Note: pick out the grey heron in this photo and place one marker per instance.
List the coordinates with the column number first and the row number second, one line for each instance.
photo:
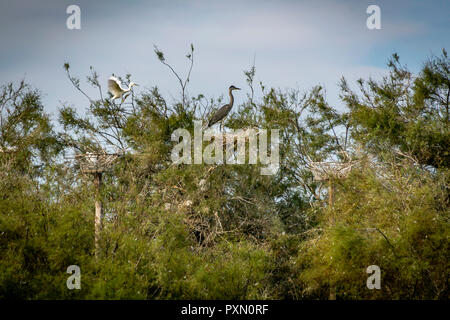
column 116, row 89
column 220, row 114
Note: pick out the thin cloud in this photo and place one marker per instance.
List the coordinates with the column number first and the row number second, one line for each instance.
column 296, row 43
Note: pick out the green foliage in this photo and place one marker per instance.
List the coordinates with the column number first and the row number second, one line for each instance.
column 405, row 113
column 226, row 231
column 381, row 220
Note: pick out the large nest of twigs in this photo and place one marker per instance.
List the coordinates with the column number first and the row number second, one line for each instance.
column 95, row 162
column 329, row 170
column 234, row 136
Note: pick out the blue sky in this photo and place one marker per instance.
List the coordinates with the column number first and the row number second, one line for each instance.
column 295, row 43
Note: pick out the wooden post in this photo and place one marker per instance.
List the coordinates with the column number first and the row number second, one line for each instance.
column 327, row 171
column 330, row 193
column 98, row 211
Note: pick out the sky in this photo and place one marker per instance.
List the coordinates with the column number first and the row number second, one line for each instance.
column 294, row 44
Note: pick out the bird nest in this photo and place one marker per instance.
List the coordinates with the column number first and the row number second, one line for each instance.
column 239, row 135
column 92, row 162
column 327, row 170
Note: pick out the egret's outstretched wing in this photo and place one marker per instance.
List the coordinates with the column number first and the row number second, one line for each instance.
column 114, row 87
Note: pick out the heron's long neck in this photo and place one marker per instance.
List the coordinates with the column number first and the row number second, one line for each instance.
column 231, row 98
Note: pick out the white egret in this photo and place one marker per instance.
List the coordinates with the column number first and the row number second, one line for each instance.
column 116, row 89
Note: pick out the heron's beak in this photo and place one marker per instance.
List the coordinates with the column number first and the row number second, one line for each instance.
column 238, row 88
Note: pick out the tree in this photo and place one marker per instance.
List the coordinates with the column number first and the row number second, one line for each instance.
column 403, row 113
column 211, row 231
